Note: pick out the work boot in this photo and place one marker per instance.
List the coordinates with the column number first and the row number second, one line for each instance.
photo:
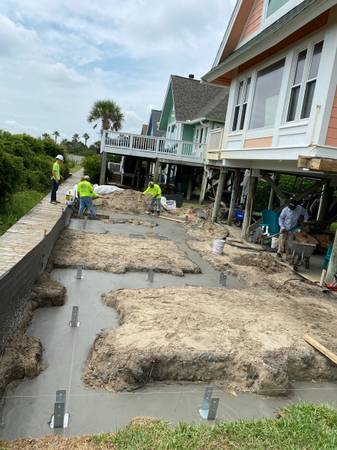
column 158, row 213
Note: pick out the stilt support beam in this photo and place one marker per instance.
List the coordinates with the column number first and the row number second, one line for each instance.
column 218, row 196
column 234, row 196
column 104, row 159
column 203, row 186
column 249, row 207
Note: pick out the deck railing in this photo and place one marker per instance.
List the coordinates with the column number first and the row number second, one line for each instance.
column 157, row 146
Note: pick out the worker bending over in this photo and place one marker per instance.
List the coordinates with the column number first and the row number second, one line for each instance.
column 85, row 190
column 154, row 191
column 290, row 218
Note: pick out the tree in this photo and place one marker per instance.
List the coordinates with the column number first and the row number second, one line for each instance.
column 56, row 134
column 108, row 113
column 46, row 136
column 86, row 137
column 75, row 138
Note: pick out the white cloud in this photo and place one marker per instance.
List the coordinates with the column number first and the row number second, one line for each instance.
column 62, row 55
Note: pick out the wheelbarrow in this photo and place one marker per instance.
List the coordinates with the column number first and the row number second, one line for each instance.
column 299, row 253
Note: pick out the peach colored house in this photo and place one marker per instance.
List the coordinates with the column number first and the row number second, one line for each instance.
column 279, row 58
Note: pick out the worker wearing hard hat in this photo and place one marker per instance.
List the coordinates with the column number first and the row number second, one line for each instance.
column 86, row 192
column 56, row 178
column 154, row 191
column 290, row 218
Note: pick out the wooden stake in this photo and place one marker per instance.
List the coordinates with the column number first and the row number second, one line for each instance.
column 172, row 220
column 310, row 340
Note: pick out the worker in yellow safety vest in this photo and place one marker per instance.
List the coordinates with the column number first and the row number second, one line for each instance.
column 86, row 192
column 154, row 191
column 56, row 178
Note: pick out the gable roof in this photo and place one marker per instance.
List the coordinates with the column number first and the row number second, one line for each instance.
column 193, row 99
column 279, row 30
column 152, row 129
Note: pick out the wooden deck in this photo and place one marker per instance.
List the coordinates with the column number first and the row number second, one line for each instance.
column 31, row 229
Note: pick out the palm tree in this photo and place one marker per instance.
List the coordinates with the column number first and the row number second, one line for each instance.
column 46, row 136
column 56, row 134
column 108, row 113
column 75, row 138
column 86, row 137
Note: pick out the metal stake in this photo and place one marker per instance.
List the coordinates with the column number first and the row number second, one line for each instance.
column 74, row 323
column 150, row 276
column 79, row 273
column 60, row 419
column 209, row 405
column 222, row 279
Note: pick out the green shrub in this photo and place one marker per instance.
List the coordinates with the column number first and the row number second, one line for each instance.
column 11, row 173
column 92, row 167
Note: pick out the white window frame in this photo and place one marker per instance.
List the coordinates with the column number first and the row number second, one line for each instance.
column 243, row 100
column 309, row 47
column 268, row 20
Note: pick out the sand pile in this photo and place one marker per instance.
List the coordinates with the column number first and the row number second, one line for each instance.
column 127, row 201
column 238, row 339
column 120, row 253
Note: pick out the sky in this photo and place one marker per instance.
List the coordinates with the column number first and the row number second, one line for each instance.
column 59, row 56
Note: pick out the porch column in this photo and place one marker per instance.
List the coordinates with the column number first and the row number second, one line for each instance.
column 332, row 268
column 275, row 178
column 104, row 159
column 218, row 196
column 168, row 174
column 203, row 186
column 156, row 171
column 249, row 207
column 189, row 186
column 148, row 169
column 234, row 195
column 324, row 202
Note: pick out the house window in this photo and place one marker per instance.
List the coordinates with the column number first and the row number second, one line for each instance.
column 304, row 83
column 267, row 91
column 240, row 108
column 274, row 5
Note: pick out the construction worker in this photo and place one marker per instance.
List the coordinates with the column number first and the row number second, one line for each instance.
column 85, row 190
column 56, row 178
column 290, row 218
column 154, row 191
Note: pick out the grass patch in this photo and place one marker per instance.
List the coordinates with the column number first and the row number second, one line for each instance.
column 17, row 206
column 302, row 426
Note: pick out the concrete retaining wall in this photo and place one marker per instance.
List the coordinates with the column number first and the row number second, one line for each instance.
column 16, row 284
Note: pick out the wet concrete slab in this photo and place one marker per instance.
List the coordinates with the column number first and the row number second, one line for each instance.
column 29, row 406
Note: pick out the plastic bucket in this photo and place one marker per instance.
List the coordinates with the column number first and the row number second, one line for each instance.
column 218, row 246
column 274, row 242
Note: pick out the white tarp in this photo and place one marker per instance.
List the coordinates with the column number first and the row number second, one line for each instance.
column 104, row 189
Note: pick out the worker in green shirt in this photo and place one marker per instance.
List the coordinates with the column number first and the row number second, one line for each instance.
column 85, row 190
column 56, row 177
column 154, row 191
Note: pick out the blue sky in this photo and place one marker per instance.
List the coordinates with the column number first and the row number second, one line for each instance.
column 58, row 56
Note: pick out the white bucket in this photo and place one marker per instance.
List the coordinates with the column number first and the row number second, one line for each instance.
column 274, row 242
column 218, row 246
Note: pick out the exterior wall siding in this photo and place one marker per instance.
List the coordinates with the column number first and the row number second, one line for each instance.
column 331, row 137
column 254, row 20
column 263, row 142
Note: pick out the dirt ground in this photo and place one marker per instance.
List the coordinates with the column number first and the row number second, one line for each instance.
column 23, row 355
column 240, row 339
column 120, row 253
